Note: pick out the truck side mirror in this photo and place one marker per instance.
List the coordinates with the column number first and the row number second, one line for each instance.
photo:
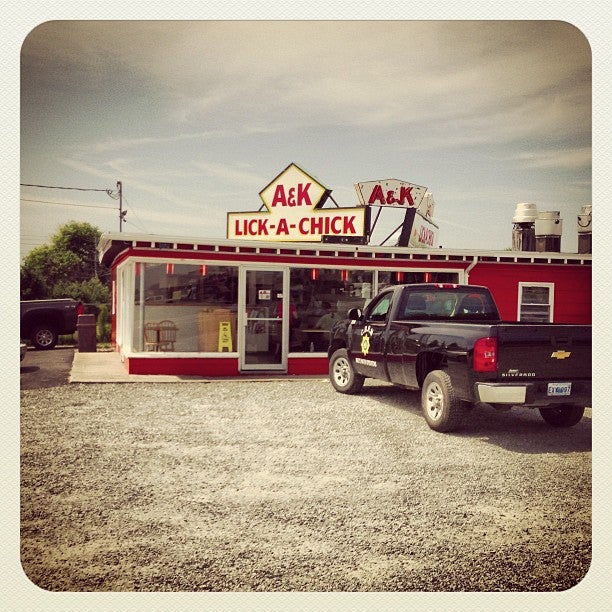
column 355, row 313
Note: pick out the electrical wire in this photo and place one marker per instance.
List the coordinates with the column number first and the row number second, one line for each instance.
column 130, row 221
column 53, row 187
column 66, row 204
column 109, row 192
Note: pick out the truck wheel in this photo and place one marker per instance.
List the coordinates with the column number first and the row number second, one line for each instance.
column 44, row 337
column 442, row 409
column 564, row 415
column 342, row 375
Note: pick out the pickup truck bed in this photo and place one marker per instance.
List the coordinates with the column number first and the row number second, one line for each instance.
column 423, row 336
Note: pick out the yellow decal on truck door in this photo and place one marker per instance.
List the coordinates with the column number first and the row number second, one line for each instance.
column 366, row 334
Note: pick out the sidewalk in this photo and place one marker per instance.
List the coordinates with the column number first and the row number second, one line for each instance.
column 106, row 367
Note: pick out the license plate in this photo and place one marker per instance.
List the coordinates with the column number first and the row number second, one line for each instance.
column 559, row 389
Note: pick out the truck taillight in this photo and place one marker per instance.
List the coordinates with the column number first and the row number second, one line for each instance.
column 485, row 355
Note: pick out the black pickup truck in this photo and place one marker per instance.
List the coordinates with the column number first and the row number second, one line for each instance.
column 43, row 321
column 449, row 341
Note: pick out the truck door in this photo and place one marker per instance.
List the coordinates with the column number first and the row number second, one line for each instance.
column 402, row 344
column 368, row 338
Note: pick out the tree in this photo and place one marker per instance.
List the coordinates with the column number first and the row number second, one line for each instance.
column 68, row 267
column 81, row 239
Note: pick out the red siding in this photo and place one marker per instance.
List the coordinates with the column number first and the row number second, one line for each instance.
column 215, row 368
column 196, row 366
column 308, row 365
column 572, row 287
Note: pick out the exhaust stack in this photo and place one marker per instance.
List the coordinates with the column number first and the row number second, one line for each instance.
column 548, row 230
column 585, row 229
column 523, row 230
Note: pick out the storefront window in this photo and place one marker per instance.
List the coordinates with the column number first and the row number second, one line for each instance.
column 386, row 278
column 185, row 308
column 321, row 297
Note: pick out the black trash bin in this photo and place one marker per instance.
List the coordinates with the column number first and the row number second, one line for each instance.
column 86, row 326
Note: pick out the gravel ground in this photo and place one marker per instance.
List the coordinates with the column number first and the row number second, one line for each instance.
column 288, row 486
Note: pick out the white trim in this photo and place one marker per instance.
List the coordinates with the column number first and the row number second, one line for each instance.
column 333, row 249
column 244, row 269
column 178, row 355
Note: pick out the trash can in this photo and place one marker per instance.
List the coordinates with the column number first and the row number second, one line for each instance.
column 86, row 327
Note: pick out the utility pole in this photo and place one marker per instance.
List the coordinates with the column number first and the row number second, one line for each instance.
column 121, row 213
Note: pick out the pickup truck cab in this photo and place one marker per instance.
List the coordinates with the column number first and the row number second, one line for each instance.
column 449, row 341
column 43, row 321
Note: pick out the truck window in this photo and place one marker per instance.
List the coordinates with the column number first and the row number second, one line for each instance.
column 378, row 309
column 416, row 305
column 447, row 304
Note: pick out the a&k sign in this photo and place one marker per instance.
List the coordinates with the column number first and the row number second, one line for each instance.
column 390, row 192
column 294, row 212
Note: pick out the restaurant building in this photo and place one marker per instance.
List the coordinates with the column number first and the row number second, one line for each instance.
column 264, row 298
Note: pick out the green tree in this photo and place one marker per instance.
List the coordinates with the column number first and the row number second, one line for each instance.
column 67, row 267
column 91, row 291
column 80, row 239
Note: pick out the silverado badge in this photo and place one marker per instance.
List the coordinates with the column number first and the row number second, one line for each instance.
column 560, row 355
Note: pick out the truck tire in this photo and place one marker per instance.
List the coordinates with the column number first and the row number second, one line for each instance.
column 564, row 415
column 442, row 409
column 44, row 337
column 342, row 375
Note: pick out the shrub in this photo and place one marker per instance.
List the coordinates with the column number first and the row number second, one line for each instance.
column 103, row 326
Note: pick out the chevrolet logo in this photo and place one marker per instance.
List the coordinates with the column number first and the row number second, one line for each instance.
column 560, row 355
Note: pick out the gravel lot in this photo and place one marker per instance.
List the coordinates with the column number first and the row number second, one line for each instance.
column 288, row 486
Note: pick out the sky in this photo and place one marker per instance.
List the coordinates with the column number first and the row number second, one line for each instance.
column 195, row 118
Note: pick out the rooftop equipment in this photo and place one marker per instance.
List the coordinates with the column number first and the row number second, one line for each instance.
column 523, row 231
column 548, row 230
column 585, row 229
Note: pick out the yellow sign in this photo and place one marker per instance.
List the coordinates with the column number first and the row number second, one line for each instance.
column 294, row 212
column 225, row 336
column 560, row 355
column 365, row 344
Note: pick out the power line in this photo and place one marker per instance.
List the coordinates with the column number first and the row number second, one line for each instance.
column 115, row 195
column 73, row 188
column 66, row 204
column 133, row 211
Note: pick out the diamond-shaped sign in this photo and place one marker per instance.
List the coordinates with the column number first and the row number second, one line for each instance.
column 294, row 188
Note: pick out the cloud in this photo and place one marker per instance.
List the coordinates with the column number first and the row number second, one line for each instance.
column 374, row 75
column 565, row 158
column 116, row 144
column 231, row 174
column 147, row 186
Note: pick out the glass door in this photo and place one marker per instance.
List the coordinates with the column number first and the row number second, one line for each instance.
column 265, row 335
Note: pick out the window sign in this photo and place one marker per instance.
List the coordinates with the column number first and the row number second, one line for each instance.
column 265, row 294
